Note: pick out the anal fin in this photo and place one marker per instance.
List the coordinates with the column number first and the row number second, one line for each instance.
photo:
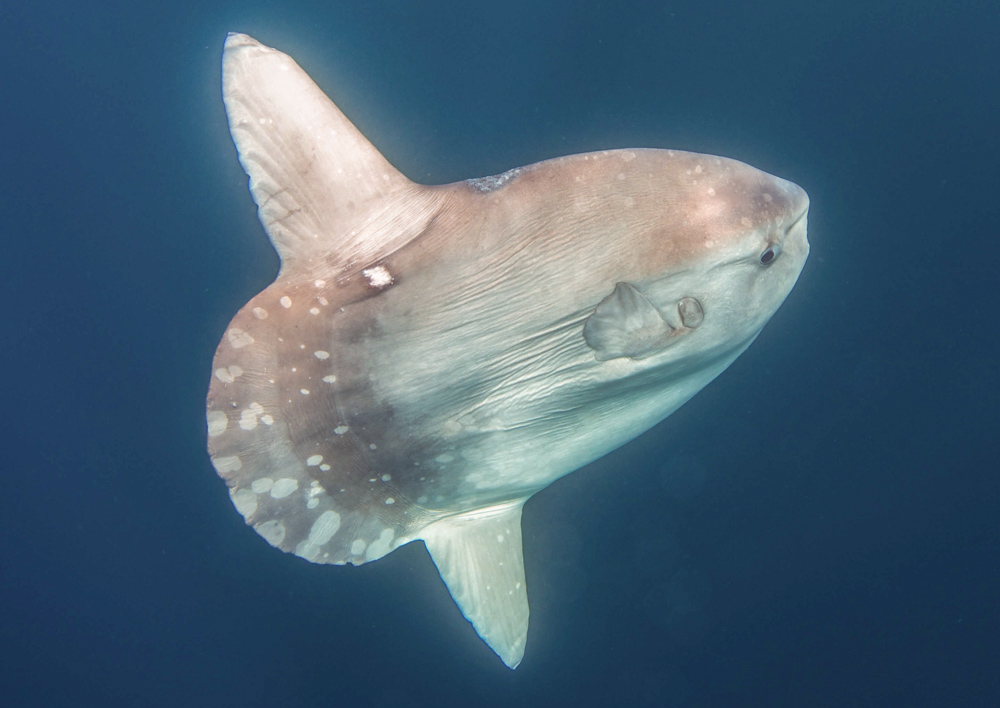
column 478, row 554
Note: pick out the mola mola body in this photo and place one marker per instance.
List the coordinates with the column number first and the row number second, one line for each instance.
column 431, row 356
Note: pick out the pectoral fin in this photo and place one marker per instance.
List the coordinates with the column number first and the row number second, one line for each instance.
column 625, row 323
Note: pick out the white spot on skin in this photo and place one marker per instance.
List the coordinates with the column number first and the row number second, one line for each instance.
column 329, row 379
column 341, row 429
column 312, row 503
column 262, row 485
column 390, row 500
column 358, row 547
column 217, row 423
column 324, row 527
column 285, row 301
column 260, row 313
column 444, row 459
column 248, row 417
column 314, row 460
column 230, row 374
column 499, row 538
column 304, row 391
column 323, row 301
column 313, row 310
column 381, row 546
column 321, row 355
column 386, row 477
column 225, row 465
column 283, row 487
column 238, row 338
column 266, row 419
column 245, row 502
column 319, row 283
column 378, row 277
column 325, row 467
column 272, row 531
column 698, row 170
column 711, row 191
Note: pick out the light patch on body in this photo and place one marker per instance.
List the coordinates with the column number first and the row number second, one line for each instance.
column 266, row 419
column 225, row 465
column 325, row 467
column 262, row 485
column 390, row 500
column 378, row 277
column 324, row 527
column 245, row 502
column 238, row 338
column 322, row 530
column 217, row 423
column 321, row 355
column 285, row 301
column 358, row 547
column 273, row 531
column 314, row 460
column 260, row 313
column 248, row 416
column 380, row 546
column 313, row 310
column 340, row 429
column 330, row 379
column 493, row 182
column 229, row 374
column 283, row 487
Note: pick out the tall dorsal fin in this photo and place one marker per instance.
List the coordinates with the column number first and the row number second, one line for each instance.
column 322, row 190
column 478, row 554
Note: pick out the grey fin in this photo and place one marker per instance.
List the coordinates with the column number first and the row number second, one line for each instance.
column 323, row 191
column 478, row 554
column 625, row 323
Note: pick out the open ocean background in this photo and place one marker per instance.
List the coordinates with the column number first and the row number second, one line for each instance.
column 819, row 527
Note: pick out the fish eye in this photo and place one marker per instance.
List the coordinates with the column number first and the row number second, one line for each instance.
column 768, row 256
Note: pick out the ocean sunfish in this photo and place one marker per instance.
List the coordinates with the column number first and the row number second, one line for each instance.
column 429, row 357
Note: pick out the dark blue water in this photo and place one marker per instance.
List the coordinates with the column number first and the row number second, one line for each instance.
column 819, row 527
